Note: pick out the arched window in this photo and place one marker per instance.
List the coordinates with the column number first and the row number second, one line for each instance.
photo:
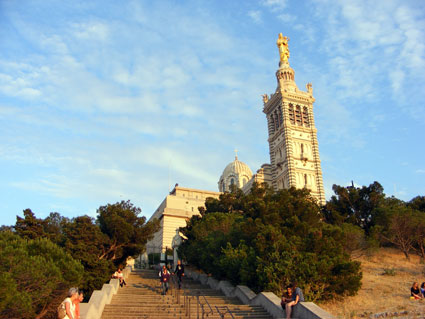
column 232, row 181
column 305, row 179
column 298, row 118
column 306, row 121
column 291, row 114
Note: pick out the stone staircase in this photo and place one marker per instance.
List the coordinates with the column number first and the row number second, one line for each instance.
column 142, row 298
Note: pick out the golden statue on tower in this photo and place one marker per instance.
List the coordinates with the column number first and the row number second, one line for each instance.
column 282, row 44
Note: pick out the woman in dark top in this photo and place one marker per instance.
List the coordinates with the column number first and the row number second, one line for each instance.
column 297, row 296
column 286, row 297
column 415, row 292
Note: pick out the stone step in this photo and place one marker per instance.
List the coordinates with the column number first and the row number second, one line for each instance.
column 141, row 298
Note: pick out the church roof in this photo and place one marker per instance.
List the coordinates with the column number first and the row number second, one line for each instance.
column 236, row 168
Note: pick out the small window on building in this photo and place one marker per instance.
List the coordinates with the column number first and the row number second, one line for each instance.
column 192, row 209
column 232, row 181
column 305, row 179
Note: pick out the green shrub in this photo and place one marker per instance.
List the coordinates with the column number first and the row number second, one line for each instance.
column 267, row 239
column 34, row 276
column 389, row 272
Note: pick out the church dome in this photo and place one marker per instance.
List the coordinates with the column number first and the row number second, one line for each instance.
column 236, row 173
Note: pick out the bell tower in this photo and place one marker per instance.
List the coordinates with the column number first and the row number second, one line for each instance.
column 293, row 147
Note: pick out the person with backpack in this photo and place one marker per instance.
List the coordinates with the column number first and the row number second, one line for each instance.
column 66, row 309
column 164, row 276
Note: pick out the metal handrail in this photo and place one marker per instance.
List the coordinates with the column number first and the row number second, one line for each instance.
column 224, row 313
column 202, row 306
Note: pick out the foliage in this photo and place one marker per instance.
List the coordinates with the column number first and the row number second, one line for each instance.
column 389, row 272
column 84, row 240
column 127, row 232
column 268, row 239
column 418, row 203
column 354, row 205
column 30, row 227
column 100, row 245
column 399, row 224
column 34, row 274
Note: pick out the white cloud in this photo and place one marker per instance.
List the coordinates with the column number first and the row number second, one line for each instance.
column 275, row 5
column 286, row 17
column 255, row 15
column 420, row 171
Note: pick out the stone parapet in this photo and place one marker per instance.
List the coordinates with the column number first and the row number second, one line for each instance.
column 99, row 298
column 268, row 300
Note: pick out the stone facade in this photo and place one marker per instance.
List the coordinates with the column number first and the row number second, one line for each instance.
column 293, row 146
column 180, row 205
column 292, row 134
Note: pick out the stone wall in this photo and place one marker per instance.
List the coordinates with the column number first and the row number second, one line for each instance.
column 268, row 300
column 99, row 298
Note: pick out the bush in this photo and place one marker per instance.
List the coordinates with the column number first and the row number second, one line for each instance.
column 389, row 272
column 267, row 239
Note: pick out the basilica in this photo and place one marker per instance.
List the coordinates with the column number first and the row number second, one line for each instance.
column 293, row 149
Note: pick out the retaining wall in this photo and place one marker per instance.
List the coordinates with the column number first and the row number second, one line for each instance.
column 268, row 300
column 99, row 298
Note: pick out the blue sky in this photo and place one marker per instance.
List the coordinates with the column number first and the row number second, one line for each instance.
column 102, row 101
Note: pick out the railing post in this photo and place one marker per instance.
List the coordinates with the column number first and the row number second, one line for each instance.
column 197, row 307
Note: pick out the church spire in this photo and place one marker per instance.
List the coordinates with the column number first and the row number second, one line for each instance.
column 285, row 74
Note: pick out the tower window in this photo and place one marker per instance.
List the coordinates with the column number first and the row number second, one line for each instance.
column 232, row 181
column 298, row 118
column 291, row 114
column 306, row 121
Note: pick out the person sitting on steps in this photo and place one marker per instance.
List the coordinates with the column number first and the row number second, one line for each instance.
column 297, row 296
column 286, row 297
column 119, row 275
column 164, row 276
